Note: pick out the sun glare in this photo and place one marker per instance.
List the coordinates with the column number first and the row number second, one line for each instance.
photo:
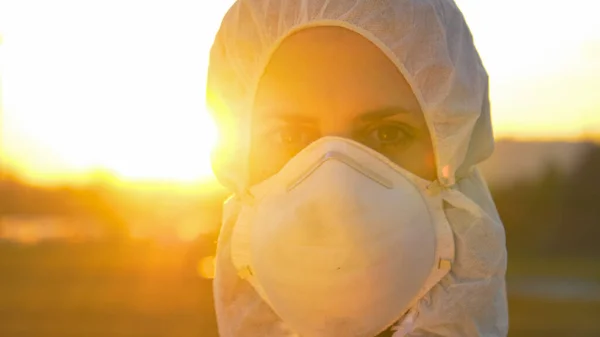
column 85, row 90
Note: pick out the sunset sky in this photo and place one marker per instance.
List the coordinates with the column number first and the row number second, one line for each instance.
column 119, row 84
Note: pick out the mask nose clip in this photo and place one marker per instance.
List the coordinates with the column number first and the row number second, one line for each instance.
column 329, row 155
column 347, row 160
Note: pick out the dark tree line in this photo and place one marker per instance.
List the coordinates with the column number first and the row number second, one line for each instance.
column 21, row 199
column 557, row 214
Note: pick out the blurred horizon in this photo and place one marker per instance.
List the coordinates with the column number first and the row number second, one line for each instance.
column 535, row 153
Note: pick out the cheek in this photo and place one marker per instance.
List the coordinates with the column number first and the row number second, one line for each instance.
column 426, row 161
column 423, row 156
column 430, row 164
column 264, row 161
column 418, row 159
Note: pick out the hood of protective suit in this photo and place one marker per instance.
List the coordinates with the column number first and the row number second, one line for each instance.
column 431, row 45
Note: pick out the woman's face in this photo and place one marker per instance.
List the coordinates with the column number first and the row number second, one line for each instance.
column 330, row 81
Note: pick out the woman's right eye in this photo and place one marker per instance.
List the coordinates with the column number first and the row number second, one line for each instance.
column 289, row 136
column 293, row 136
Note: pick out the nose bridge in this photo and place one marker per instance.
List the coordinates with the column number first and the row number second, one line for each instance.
column 348, row 162
column 336, row 123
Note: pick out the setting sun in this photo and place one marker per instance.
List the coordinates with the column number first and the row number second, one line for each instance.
column 119, row 86
column 116, row 87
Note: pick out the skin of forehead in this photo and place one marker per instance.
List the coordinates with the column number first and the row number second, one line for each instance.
column 302, row 65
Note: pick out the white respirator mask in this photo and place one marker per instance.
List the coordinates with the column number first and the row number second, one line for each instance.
column 342, row 241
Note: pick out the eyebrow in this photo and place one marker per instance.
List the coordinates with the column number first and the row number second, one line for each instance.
column 379, row 114
column 291, row 117
column 369, row 116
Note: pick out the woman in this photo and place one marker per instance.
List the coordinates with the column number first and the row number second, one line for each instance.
column 350, row 131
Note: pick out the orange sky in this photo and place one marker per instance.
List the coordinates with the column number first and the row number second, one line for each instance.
column 119, row 85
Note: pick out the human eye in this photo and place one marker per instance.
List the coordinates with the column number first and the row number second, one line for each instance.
column 386, row 136
column 292, row 137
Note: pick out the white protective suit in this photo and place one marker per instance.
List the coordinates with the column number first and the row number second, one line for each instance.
column 430, row 43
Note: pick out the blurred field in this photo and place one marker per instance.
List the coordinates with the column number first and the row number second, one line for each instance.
column 102, row 290
column 144, row 289
column 554, row 297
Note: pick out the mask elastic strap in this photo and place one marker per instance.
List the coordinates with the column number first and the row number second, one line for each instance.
column 436, row 187
column 246, row 197
column 454, row 197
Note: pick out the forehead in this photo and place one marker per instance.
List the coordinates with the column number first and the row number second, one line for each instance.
column 330, row 71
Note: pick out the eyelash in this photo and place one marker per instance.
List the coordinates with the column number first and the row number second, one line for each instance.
column 306, row 133
column 407, row 132
column 364, row 136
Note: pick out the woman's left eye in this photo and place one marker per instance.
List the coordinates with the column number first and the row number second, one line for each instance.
column 387, row 135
